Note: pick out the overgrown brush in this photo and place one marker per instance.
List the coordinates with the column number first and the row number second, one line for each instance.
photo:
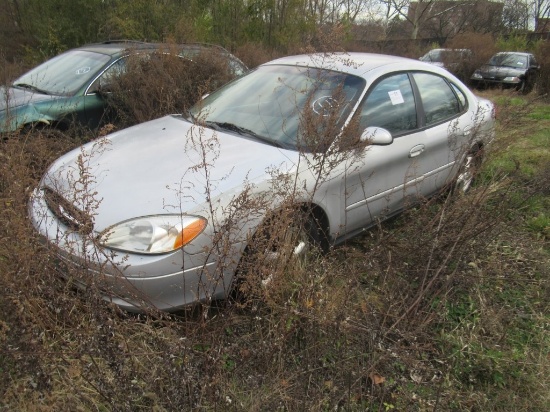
column 482, row 47
column 253, row 54
column 443, row 308
column 543, row 82
column 164, row 83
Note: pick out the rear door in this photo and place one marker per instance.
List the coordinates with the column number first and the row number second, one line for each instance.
column 423, row 112
column 442, row 108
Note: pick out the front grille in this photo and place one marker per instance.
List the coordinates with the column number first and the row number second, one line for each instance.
column 498, row 78
column 72, row 217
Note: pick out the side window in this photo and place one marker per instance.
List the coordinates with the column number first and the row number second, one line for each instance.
column 390, row 105
column 438, row 99
column 236, row 67
column 116, row 69
column 460, row 94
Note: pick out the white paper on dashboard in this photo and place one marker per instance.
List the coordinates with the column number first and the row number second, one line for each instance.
column 396, row 97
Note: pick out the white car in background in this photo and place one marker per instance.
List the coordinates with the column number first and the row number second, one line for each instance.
column 454, row 60
column 163, row 213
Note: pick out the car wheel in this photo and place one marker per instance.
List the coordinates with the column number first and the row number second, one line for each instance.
column 40, row 129
column 521, row 87
column 468, row 171
column 30, row 128
column 285, row 242
column 528, row 84
column 299, row 242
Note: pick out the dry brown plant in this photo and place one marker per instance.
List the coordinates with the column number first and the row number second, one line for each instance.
column 435, row 310
column 164, row 83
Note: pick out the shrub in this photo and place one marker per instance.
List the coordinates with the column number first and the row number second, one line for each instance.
column 482, row 47
column 542, row 52
column 164, row 83
column 513, row 43
column 445, row 309
column 254, row 54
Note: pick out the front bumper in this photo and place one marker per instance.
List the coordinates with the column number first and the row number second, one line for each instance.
column 135, row 282
column 169, row 292
column 490, row 81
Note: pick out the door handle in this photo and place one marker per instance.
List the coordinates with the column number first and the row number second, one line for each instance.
column 416, row 150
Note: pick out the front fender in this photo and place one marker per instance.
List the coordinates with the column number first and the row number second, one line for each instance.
column 16, row 118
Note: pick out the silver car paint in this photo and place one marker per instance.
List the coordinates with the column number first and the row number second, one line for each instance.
column 155, row 168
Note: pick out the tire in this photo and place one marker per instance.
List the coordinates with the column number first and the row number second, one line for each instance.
column 302, row 234
column 521, row 87
column 41, row 130
column 468, row 171
column 283, row 243
column 528, row 84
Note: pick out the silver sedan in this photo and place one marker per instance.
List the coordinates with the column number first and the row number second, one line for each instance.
column 167, row 212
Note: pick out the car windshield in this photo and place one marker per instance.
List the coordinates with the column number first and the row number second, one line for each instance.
column 64, row 74
column 509, row 60
column 275, row 104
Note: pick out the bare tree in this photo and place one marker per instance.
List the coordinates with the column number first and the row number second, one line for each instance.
column 541, row 12
column 457, row 17
column 336, row 11
column 446, row 18
column 420, row 13
column 516, row 15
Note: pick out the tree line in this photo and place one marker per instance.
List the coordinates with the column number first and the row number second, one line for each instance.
column 55, row 25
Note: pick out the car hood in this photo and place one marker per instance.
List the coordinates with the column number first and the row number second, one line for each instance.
column 13, row 97
column 162, row 166
column 493, row 71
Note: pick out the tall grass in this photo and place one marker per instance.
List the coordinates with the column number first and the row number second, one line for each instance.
column 443, row 308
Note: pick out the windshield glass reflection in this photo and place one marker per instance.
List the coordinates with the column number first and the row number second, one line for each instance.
column 272, row 102
column 64, row 74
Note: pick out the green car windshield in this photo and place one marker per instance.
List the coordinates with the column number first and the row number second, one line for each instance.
column 282, row 105
column 65, row 74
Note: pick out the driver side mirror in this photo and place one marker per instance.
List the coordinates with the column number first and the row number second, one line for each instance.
column 376, row 135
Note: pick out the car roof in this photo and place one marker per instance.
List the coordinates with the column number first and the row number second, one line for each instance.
column 117, row 47
column 448, row 49
column 353, row 63
column 444, row 50
column 518, row 53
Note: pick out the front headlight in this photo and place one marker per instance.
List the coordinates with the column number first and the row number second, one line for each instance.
column 512, row 79
column 153, row 234
column 477, row 75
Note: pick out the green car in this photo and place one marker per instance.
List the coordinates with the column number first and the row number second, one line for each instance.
column 70, row 87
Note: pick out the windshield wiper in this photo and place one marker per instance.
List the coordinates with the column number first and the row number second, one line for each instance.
column 31, row 87
column 242, row 131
